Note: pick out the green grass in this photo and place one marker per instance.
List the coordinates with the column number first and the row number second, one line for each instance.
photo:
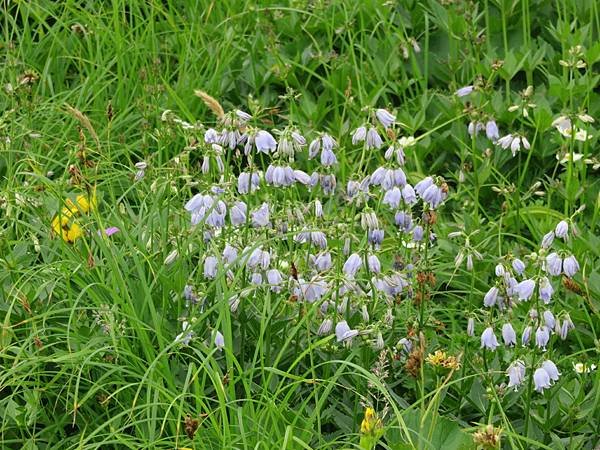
column 87, row 344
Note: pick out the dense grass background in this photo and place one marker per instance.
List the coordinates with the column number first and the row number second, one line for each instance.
column 67, row 384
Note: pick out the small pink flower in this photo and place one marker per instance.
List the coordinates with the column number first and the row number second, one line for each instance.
column 109, row 231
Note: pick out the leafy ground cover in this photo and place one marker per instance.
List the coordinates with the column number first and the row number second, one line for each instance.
column 302, row 224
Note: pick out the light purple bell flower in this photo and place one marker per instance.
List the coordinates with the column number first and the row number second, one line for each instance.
column 403, row 221
column 359, row 135
column 265, row 142
column 516, row 373
column 525, row 289
column 325, row 327
column 260, row 216
column 570, row 266
column 352, row 265
column 518, row 266
column 508, row 335
column 393, row 197
column 373, row 139
column 409, row 195
column 488, row 339
column 374, row 264
column 548, row 239
column 551, row 369
column 546, row 290
column 526, row 337
column 554, row 264
column 567, row 325
column 302, row 177
column 219, row 340
column 463, row 91
column 321, row 262
column 210, row 267
column 274, row 278
column 328, row 158
column 385, row 118
column 562, row 229
column 541, row 379
column 549, row 319
column 237, row 214
column 343, row 331
column 491, row 296
column 471, row 327
column 230, row 254
column 491, row 130
column 542, row 336
column 418, row 233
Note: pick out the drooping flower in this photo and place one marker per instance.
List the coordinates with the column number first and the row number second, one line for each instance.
column 551, row 369
column 352, row 265
column 548, row 239
column 359, row 134
column 525, row 289
column 219, row 340
column 248, row 182
column 265, row 142
column 516, row 373
column 321, row 262
column 491, row 296
column 374, row 263
column 549, row 319
column 393, row 197
column 418, row 233
column 328, row 158
column 546, row 290
column 373, row 140
column 488, row 339
column 375, row 237
column 570, row 266
column 210, row 267
column 562, row 229
column 471, row 327
column 237, row 213
column 518, row 266
column 230, row 254
column 514, row 142
column 403, row 221
column 186, row 334
column 508, row 334
column 554, row 264
column 464, row 91
column 260, row 216
column 386, row 118
column 526, row 337
column 325, row 327
column 567, row 325
column 274, row 278
column 541, row 380
column 542, row 336
column 491, row 130
column 343, row 331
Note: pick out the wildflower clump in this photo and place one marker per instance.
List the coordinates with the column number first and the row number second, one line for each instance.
column 65, row 224
column 371, row 429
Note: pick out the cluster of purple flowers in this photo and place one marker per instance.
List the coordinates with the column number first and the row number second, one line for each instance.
column 541, row 323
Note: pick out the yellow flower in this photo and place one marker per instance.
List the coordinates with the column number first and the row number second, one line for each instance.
column 67, row 229
column 370, row 423
column 64, row 224
column 74, row 232
column 437, row 358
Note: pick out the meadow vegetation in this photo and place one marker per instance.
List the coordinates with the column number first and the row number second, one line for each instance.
column 299, row 224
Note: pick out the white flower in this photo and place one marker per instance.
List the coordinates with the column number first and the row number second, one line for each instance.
column 466, row 90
